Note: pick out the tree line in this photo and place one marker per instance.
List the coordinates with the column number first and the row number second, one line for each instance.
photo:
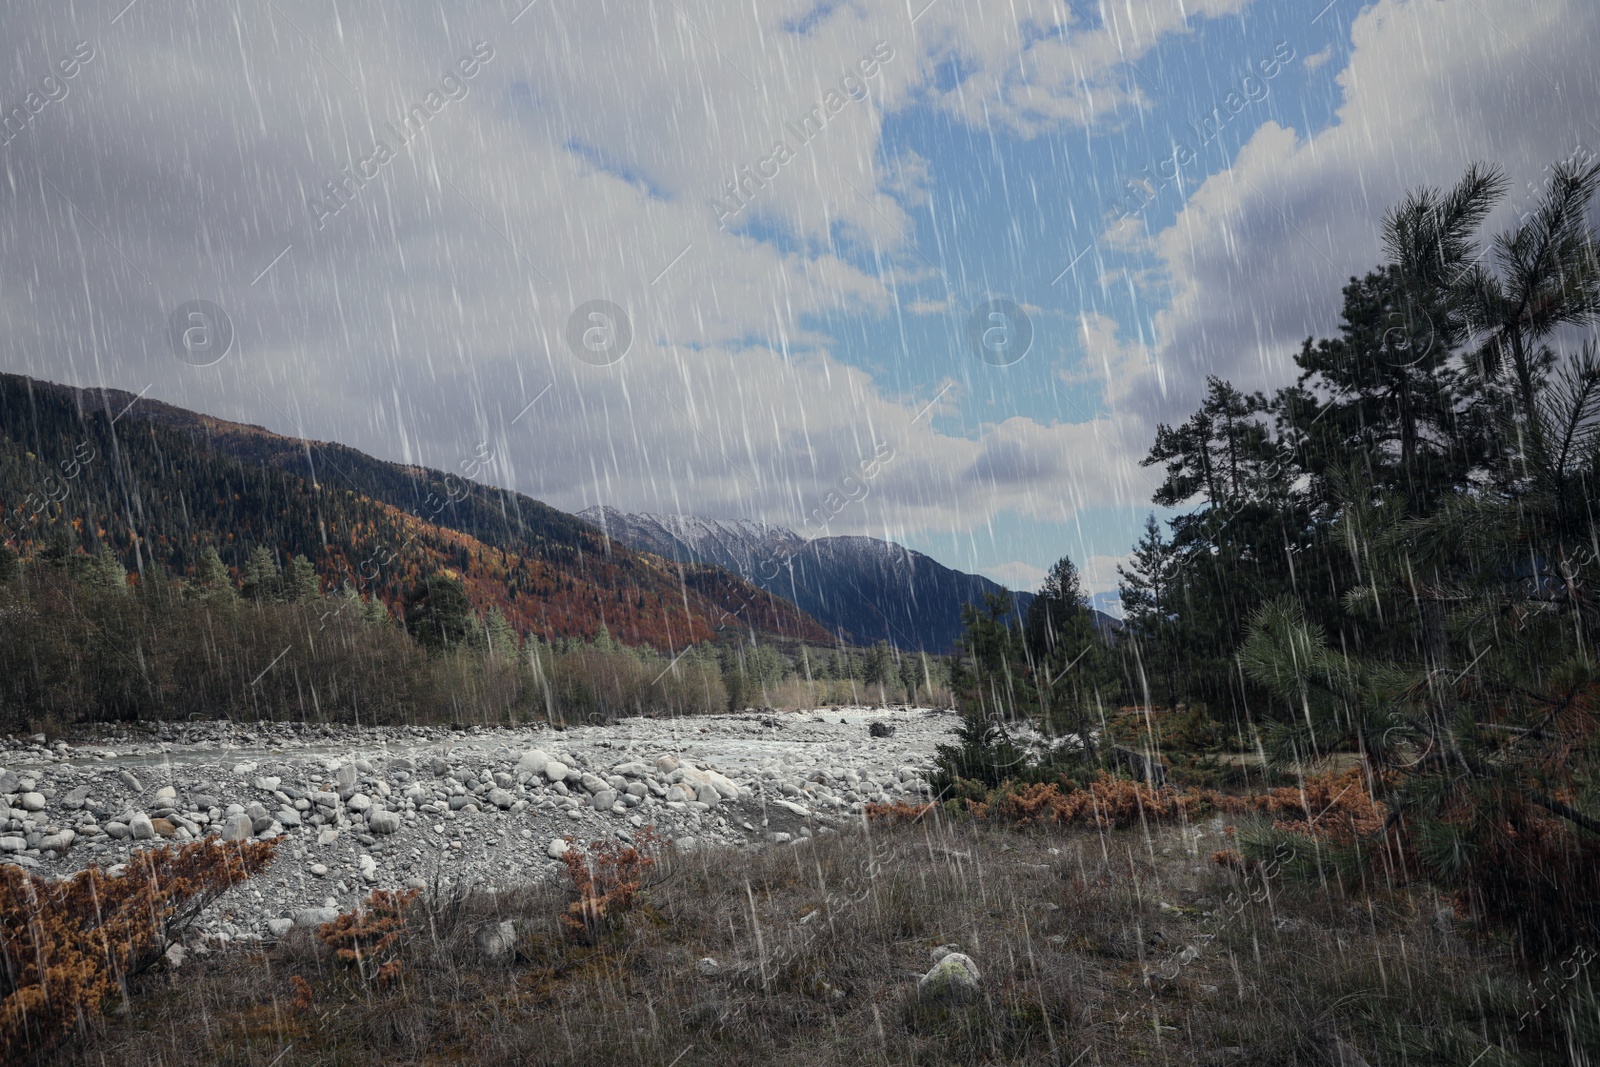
column 1395, row 556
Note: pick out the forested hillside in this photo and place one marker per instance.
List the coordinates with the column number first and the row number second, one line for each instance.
column 157, row 485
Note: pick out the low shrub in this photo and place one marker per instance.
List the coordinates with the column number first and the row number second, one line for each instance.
column 896, row 812
column 371, row 937
column 67, row 947
column 608, row 877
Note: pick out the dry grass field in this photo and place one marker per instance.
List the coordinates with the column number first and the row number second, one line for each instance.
column 1128, row 947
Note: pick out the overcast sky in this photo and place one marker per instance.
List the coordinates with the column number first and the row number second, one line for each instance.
column 412, row 212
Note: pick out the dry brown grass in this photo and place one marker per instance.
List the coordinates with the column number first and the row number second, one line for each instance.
column 1080, row 936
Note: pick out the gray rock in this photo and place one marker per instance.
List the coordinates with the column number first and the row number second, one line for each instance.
column 592, row 783
column 268, row 783
column 533, row 761
column 315, row 916
column 555, row 771
column 280, row 927
column 141, row 827
column 556, row 848
column 8, row 781
column 707, row 794
column 288, row 817
column 497, row 941
column 13, row 844
column 117, row 831
column 603, row 800
column 128, row 780
column 359, row 802
column 953, row 980
column 58, row 842
column 501, row 799
column 634, row 769
column 235, row 828
column 346, row 775
column 708, row 967
column 397, row 766
column 75, row 799
column 32, row 802
column 384, row 822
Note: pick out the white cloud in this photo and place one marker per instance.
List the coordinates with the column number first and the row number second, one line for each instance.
column 1258, row 256
column 424, row 314
column 1316, row 60
column 1017, row 575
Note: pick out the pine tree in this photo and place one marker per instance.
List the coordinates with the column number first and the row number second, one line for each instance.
column 879, row 665
column 438, row 614
column 300, row 582
column 913, row 670
column 375, row 613
column 1071, row 669
column 993, row 680
column 260, row 580
column 501, row 639
column 106, row 571
column 1148, row 604
column 212, row 581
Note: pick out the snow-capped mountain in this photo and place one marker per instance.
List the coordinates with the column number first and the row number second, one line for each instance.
column 866, row 588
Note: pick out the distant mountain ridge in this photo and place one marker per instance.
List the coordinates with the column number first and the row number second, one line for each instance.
column 862, row 587
column 159, row 483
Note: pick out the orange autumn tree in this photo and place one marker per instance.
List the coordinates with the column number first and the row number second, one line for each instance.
column 67, row 947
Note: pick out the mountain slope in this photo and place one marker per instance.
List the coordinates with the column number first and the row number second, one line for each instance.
column 159, row 483
column 869, row 589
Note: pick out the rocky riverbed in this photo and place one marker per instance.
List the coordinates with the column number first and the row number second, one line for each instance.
column 390, row 807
